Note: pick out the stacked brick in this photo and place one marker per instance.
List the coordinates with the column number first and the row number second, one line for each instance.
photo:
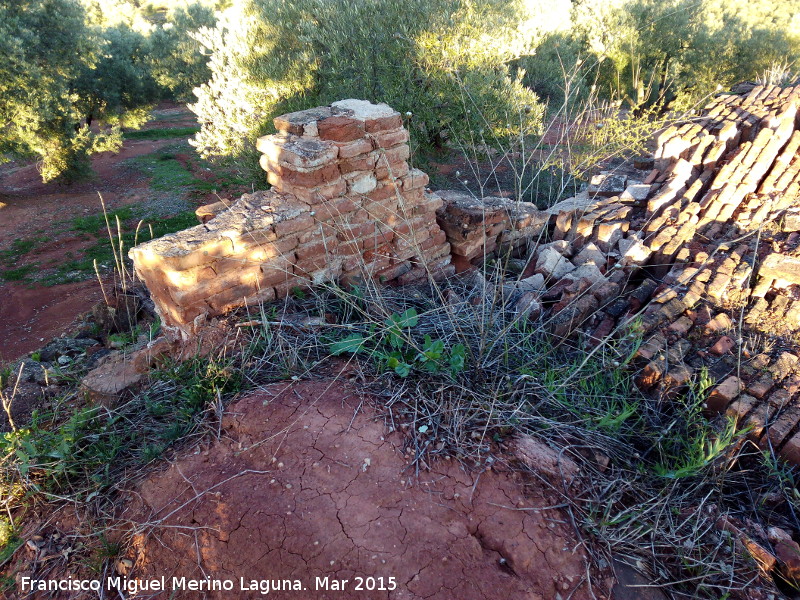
column 705, row 257
column 344, row 205
column 700, row 254
column 476, row 227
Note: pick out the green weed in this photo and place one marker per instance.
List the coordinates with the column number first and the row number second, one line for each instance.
column 161, row 134
column 17, row 274
column 94, row 223
column 396, row 350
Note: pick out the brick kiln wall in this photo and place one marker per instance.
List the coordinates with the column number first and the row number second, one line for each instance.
column 344, row 204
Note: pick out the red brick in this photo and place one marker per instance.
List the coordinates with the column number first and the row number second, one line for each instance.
column 340, row 129
column 277, row 270
column 349, row 248
column 377, row 251
column 761, row 386
column 354, row 148
column 277, row 174
column 383, row 123
column 324, row 231
column 356, row 231
column 300, row 223
column 236, row 296
column 395, row 169
column 313, row 195
column 415, row 179
column 723, row 345
column 362, row 162
column 387, row 139
column 311, row 264
column 382, row 211
column 385, row 189
column 318, row 247
column 334, row 208
column 723, row 394
column 395, row 155
column 740, row 407
column 791, row 449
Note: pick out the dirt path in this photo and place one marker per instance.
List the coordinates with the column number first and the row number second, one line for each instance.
column 39, row 214
column 299, row 488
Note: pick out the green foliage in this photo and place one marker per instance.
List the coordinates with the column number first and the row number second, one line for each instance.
column 82, row 451
column 176, row 57
column 396, row 349
column 161, row 134
column 690, row 444
column 445, row 61
column 74, row 73
column 17, row 274
column 651, row 51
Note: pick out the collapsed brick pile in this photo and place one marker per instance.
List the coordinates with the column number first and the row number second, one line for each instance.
column 701, row 254
column 344, row 204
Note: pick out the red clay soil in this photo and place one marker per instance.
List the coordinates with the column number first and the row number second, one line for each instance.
column 30, row 317
column 305, row 484
column 30, row 208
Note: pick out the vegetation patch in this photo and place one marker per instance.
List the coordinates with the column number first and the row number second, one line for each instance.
column 161, row 134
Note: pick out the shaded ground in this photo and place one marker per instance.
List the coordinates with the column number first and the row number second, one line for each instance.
column 304, row 484
column 29, row 317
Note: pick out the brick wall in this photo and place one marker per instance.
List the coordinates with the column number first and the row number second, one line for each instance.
column 344, row 205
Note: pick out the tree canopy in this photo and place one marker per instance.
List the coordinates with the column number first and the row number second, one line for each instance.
column 72, row 73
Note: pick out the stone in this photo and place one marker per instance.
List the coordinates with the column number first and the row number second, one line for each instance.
column 291, row 150
column 589, row 272
column 637, row 192
column 302, row 122
column 784, row 365
column 633, row 251
column 682, row 326
column 782, row 268
column 788, row 553
column 534, row 283
column 590, row 253
column 111, row 382
column 557, row 466
column 528, row 305
column 791, row 221
column 553, row 265
column 607, row 185
column 208, row 211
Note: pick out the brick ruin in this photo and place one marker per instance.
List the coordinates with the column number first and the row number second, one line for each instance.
column 697, row 247
column 344, row 205
column 700, row 253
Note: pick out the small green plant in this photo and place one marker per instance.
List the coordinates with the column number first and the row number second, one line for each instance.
column 17, row 274
column 396, row 349
column 691, row 444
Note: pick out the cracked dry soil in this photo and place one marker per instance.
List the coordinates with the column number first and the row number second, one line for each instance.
column 305, row 483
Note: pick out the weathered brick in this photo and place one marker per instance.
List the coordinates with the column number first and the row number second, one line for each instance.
column 309, row 178
column 341, row 129
column 303, row 222
column 723, row 394
column 388, row 139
